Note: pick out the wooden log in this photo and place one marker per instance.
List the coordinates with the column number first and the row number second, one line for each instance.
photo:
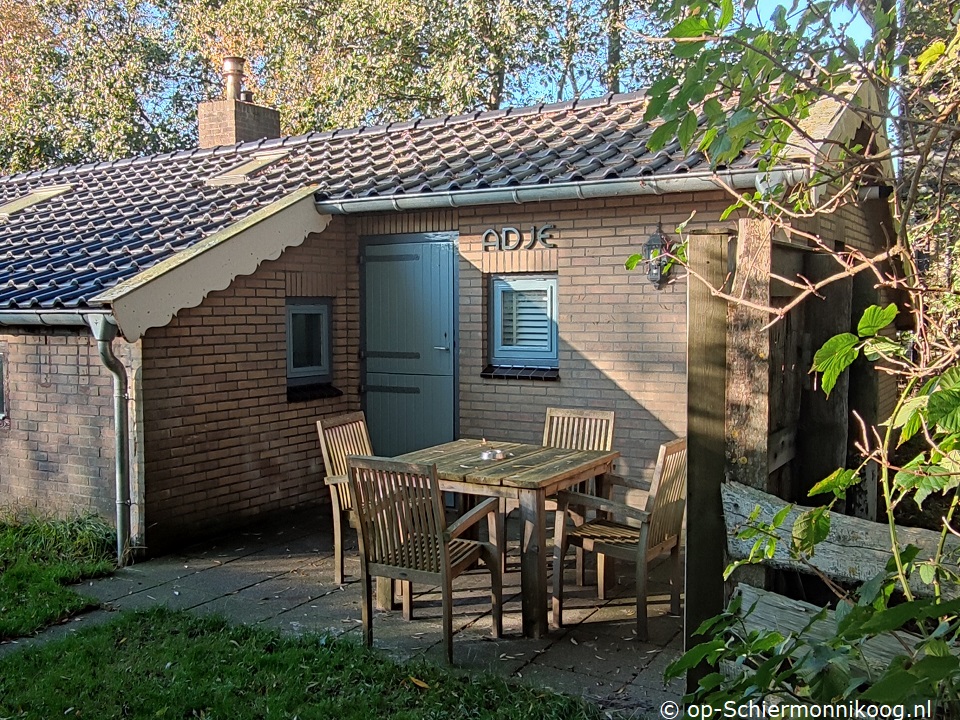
column 748, row 359
column 776, row 612
column 855, row 549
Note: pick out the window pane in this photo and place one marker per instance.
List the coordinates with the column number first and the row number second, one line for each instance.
column 307, row 340
column 525, row 319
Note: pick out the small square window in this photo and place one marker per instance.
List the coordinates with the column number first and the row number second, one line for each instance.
column 523, row 320
column 309, row 337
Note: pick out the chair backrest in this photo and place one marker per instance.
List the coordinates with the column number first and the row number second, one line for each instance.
column 668, row 492
column 400, row 512
column 578, row 429
column 340, row 437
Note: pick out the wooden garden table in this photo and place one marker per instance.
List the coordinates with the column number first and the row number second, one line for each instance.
column 529, row 474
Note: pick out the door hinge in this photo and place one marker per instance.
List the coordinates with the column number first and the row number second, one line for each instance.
column 361, row 259
column 361, row 389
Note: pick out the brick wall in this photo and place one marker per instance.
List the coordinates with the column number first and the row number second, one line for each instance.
column 622, row 341
column 222, row 444
column 56, row 444
column 226, row 122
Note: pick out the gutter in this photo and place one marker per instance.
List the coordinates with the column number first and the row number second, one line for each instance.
column 104, row 329
column 654, row 185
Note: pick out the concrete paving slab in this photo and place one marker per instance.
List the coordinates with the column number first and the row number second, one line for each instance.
column 282, row 578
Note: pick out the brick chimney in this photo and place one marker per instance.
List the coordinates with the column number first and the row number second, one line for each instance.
column 235, row 118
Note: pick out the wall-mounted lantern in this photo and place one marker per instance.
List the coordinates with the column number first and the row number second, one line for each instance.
column 654, row 256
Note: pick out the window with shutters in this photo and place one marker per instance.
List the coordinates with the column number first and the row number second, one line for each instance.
column 523, row 321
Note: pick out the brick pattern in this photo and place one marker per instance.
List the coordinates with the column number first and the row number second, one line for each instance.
column 56, row 446
column 227, row 122
column 622, row 341
column 222, row 444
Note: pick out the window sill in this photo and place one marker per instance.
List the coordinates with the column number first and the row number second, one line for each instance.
column 520, row 372
column 316, row 391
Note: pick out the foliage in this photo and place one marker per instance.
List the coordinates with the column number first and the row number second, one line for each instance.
column 37, row 557
column 183, row 666
column 374, row 61
column 100, row 79
column 799, row 92
column 92, row 79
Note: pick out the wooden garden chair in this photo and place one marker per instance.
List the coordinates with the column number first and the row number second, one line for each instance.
column 640, row 528
column 575, row 430
column 404, row 535
column 341, row 436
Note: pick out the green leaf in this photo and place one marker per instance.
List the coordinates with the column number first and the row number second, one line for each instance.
column 950, row 379
column 930, row 55
column 811, row 528
column 877, row 347
column 726, row 13
column 928, row 573
column 695, row 26
column 891, row 687
column 713, row 110
column 836, row 482
column 909, row 410
column 943, row 410
column 894, row 618
column 661, row 86
column 688, row 127
column 875, row 318
column 836, row 355
column 632, row 261
column 661, row 135
column 687, row 49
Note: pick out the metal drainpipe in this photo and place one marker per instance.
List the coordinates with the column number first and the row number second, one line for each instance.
column 105, row 330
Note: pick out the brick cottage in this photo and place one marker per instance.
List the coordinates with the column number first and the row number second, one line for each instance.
column 172, row 326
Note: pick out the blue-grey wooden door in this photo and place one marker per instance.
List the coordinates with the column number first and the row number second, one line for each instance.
column 409, row 345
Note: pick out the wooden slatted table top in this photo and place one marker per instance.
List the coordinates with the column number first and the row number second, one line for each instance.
column 525, row 466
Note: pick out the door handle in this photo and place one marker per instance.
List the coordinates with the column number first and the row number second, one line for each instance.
column 440, row 347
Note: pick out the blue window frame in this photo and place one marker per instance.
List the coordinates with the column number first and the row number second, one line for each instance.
column 309, row 339
column 523, row 320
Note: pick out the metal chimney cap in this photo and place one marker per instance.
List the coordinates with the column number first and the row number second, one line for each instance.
column 233, row 77
column 233, row 64
column 246, row 96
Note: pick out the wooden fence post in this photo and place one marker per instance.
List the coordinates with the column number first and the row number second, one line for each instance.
column 706, row 398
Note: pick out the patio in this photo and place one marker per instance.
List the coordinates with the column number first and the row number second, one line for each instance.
column 281, row 575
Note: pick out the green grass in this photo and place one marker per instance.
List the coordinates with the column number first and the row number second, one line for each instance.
column 166, row 664
column 37, row 557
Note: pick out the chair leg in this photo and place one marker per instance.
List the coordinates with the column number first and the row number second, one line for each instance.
column 496, row 591
column 579, row 516
column 676, row 579
column 366, row 608
column 606, row 574
column 337, row 546
column 559, row 550
column 406, row 590
column 496, row 532
column 642, row 600
column 448, row 618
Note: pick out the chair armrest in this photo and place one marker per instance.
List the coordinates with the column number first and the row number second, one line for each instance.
column 632, row 483
column 336, row 479
column 567, row 498
column 467, row 520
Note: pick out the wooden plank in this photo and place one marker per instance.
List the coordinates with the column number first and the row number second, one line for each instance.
column 776, row 612
column 748, row 358
column 822, row 446
column 855, row 549
column 546, row 466
column 706, row 385
column 781, row 448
